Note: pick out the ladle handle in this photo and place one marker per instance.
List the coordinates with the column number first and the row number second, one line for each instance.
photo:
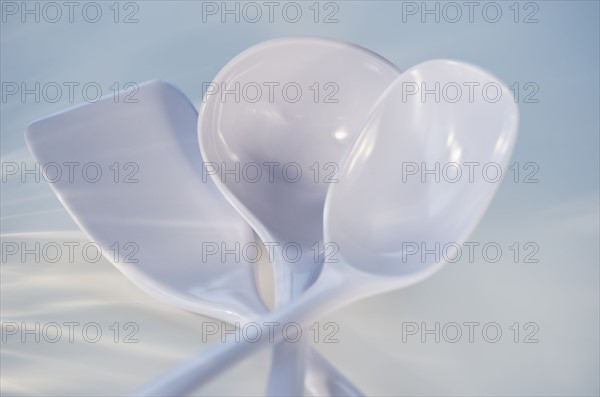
column 289, row 360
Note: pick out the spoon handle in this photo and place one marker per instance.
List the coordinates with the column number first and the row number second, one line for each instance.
column 320, row 377
column 288, row 369
column 326, row 295
column 288, row 360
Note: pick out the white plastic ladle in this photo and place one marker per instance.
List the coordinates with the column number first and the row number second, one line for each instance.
column 373, row 211
column 275, row 124
column 150, row 210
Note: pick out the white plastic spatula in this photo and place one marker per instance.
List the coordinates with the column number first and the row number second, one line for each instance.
column 137, row 191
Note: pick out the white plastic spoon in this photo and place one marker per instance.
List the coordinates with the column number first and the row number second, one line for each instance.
column 150, row 210
column 275, row 124
column 372, row 211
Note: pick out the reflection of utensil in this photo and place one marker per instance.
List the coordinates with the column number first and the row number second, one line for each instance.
column 372, row 212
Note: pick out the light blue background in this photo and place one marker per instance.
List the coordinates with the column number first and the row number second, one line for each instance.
column 560, row 133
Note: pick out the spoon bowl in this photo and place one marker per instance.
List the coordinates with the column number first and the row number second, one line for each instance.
column 301, row 101
column 383, row 206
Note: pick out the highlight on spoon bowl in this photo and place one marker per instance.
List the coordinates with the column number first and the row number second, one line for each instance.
column 301, row 102
column 386, row 203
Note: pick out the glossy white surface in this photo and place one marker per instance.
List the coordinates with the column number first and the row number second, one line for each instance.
column 297, row 131
column 382, row 206
column 167, row 213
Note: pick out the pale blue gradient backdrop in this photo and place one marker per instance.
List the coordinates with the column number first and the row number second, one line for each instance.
column 560, row 133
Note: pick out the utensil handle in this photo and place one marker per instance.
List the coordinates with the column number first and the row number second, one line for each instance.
column 318, row 300
column 288, row 360
column 320, row 377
